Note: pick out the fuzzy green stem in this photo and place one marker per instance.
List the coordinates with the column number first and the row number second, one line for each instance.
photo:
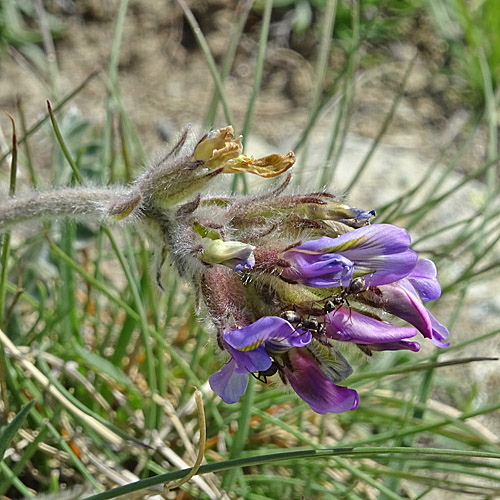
column 73, row 203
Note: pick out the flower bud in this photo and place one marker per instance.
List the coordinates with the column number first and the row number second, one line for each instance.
column 233, row 254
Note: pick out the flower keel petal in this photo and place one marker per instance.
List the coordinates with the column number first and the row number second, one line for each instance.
column 311, row 384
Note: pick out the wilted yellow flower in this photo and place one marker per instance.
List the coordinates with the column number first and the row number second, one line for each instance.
column 223, row 151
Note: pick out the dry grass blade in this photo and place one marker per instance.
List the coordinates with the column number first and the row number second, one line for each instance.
column 203, row 439
column 15, row 353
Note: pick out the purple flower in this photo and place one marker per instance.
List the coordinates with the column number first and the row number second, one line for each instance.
column 380, row 251
column 310, row 368
column 375, row 269
column 249, row 347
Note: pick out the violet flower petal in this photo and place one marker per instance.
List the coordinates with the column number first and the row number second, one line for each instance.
column 228, row 384
column 381, row 250
column 250, row 361
column 267, row 328
column 318, row 270
column 439, row 332
column 346, row 325
column 402, row 300
column 424, row 278
column 312, row 385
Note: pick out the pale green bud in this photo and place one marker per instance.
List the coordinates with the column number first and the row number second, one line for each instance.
column 233, row 254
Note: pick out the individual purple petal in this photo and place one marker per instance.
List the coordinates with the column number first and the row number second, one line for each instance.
column 439, row 332
column 312, row 385
column 350, row 326
column 424, row 278
column 228, row 384
column 318, row 270
column 395, row 346
column 299, row 338
column 250, row 361
column 402, row 300
column 265, row 329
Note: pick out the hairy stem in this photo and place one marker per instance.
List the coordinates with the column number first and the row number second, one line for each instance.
column 74, row 203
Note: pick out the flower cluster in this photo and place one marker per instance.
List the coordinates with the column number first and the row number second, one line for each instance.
column 364, row 277
column 287, row 279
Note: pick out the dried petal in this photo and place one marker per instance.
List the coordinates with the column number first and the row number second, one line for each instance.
column 215, row 151
column 268, row 166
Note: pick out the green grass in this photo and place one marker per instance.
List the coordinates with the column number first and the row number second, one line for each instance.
column 110, row 362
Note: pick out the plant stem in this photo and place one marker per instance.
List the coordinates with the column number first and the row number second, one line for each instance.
column 73, row 203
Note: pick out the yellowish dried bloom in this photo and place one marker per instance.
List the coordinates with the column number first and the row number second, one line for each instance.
column 223, row 151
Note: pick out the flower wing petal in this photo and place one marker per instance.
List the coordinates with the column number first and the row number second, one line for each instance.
column 318, row 270
column 228, row 384
column 251, row 361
